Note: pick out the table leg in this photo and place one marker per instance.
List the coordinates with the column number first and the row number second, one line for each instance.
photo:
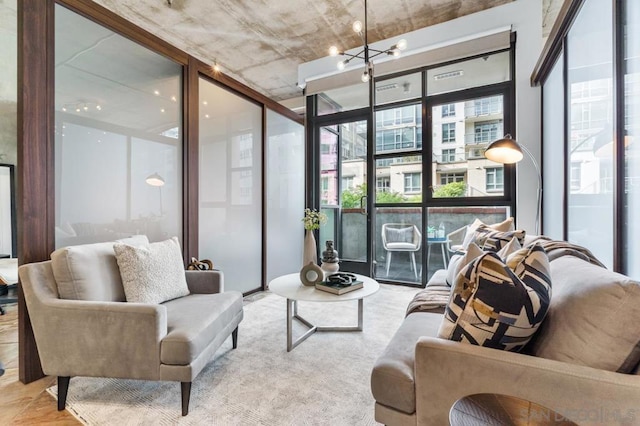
column 444, row 256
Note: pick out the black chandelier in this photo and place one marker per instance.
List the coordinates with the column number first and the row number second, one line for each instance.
column 367, row 53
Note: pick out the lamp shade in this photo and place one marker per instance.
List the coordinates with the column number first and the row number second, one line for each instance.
column 154, row 180
column 504, row 151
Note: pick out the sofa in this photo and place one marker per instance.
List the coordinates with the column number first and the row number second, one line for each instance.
column 84, row 327
column 581, row 363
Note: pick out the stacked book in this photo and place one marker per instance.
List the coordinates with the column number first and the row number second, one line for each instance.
column 339, row 288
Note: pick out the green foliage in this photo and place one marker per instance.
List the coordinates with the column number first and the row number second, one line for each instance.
column 451, row 190
column 351, row 197
column 390, row 197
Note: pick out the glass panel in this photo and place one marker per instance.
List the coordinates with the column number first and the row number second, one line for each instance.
column 398, row 244
column 118, row 122
column 477, row 72
column 399, row 179
column 230, row 186
column 329, row 166
column 399, row 88
column 328, row 230
column 353, row 169
column 553, row 152
column 285, row 194
column 8, row 122
column 631, row 141
column 399, row 129
column 446, row 230
column 343, row 99
column 590, row 200
column 461, row 133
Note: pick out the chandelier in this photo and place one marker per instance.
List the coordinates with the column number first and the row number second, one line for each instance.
column 367, row 53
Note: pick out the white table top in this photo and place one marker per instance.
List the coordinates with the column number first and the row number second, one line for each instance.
column 290, row 287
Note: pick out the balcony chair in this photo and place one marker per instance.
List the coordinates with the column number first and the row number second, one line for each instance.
column 401, row 237
column 456, row 238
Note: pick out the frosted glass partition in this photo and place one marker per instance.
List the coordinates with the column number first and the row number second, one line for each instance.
column 230, row 185
column 590, row 160
column 118, row 123
column 285, row 195
column 553, row 153
column 632, row 138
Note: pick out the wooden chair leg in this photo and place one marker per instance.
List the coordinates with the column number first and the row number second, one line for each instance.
column 185, row 390
column 63, row 387
column 234, row 338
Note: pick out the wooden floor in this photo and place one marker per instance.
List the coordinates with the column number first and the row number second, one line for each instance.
column 24, row 404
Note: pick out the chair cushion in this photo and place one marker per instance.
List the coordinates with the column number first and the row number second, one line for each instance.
column 594, row 317
column 153, row 273
column 401, row 246
column 494, row 306
column 399, row 235
column 90, row 271
column 392, row 378
column 194, row 321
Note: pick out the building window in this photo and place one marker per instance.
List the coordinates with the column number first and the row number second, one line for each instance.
column 486, row 106
column 449, row 110
column 446, row 178
column 448, row 132
column 576, row 171
column 487, row 132
column 495, row 179
column 412, row 182
column 347, row 183
column 324, row 184
column 448, row 155
column 383, row 184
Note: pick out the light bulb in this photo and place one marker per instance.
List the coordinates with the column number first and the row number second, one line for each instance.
column 77, row 109
column 357, row 26
column 365, row 77
column 401, row 44
column 396, row 53
column 86, row 108
column 64, row 109
column 341, row 65
column 333, row 51
column 216, row 67
column 98, row 107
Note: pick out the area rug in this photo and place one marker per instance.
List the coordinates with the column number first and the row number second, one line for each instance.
column 323, row 381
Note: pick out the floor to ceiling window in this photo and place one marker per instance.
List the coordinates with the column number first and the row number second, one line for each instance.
column 423, row 186
column 118, row 136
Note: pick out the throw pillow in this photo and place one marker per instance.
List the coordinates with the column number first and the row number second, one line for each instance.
column 153, row 273
column 511, row 247
column 504, row 226
column 493, row 306
column 497, row 239
column 400, row 235
column 461, row 259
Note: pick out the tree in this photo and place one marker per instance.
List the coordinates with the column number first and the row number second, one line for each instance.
column 451, row 190
column 351, row 197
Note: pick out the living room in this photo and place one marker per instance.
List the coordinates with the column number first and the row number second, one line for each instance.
column 144, row 119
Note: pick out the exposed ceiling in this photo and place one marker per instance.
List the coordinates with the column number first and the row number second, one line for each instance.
column 262, row 42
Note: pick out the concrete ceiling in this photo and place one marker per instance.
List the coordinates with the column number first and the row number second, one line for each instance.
column 262, row 42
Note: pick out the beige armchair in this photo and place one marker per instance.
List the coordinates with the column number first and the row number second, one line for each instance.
column 171, row 341
column 401, row 237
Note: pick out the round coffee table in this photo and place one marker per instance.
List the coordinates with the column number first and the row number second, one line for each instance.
column 291, row 288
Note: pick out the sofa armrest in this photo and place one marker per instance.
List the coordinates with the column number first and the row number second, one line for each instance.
column 447, row 371
column 205, row 282
column 99, row 339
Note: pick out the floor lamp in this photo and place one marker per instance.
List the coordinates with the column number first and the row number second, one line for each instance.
column 508, row 151
column 158, row 181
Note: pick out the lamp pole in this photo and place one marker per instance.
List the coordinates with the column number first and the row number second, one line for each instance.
column 539, row 195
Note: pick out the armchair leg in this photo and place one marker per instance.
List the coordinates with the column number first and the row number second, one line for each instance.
column 185, row 389
column 234, row 338
column 63, row 387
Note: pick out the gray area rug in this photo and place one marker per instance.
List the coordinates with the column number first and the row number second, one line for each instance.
column 324, row 381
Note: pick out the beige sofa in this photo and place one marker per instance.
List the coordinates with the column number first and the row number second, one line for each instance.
column 591, row 333
column 84, row 327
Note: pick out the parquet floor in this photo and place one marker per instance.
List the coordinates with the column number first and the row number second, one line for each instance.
column 24, row 404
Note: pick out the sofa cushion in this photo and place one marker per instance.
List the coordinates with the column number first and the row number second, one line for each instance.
column 504, row 226
column 496, row 239
column 90, row 271
column 194, row 321
column 392, row 378
column 152, row 273
column 493, row 306
column 594, row 317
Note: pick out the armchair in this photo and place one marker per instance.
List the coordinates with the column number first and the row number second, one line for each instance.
column 111, row 338
column 401, row 237
column 455, row 239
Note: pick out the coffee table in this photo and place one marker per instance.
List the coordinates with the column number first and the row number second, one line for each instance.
column 291, row 288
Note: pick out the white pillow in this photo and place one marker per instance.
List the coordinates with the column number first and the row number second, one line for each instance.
column 460, row 260
column 505, row 226
column 153, row 273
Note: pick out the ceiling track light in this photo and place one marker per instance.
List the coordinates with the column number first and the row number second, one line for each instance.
column 215, row 66
column 367, row 54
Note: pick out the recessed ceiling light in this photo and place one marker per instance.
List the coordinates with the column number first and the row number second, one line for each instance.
column 156, row 92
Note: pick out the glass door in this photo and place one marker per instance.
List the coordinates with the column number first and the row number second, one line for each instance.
column 343, row 193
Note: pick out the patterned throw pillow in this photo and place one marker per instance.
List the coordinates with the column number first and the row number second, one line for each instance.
column 504, row 226
column 153, row 273
column 461, row 259
column 493, row 306
column 492, row 240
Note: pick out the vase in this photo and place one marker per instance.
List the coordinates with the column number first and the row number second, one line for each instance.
column 309, row 253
